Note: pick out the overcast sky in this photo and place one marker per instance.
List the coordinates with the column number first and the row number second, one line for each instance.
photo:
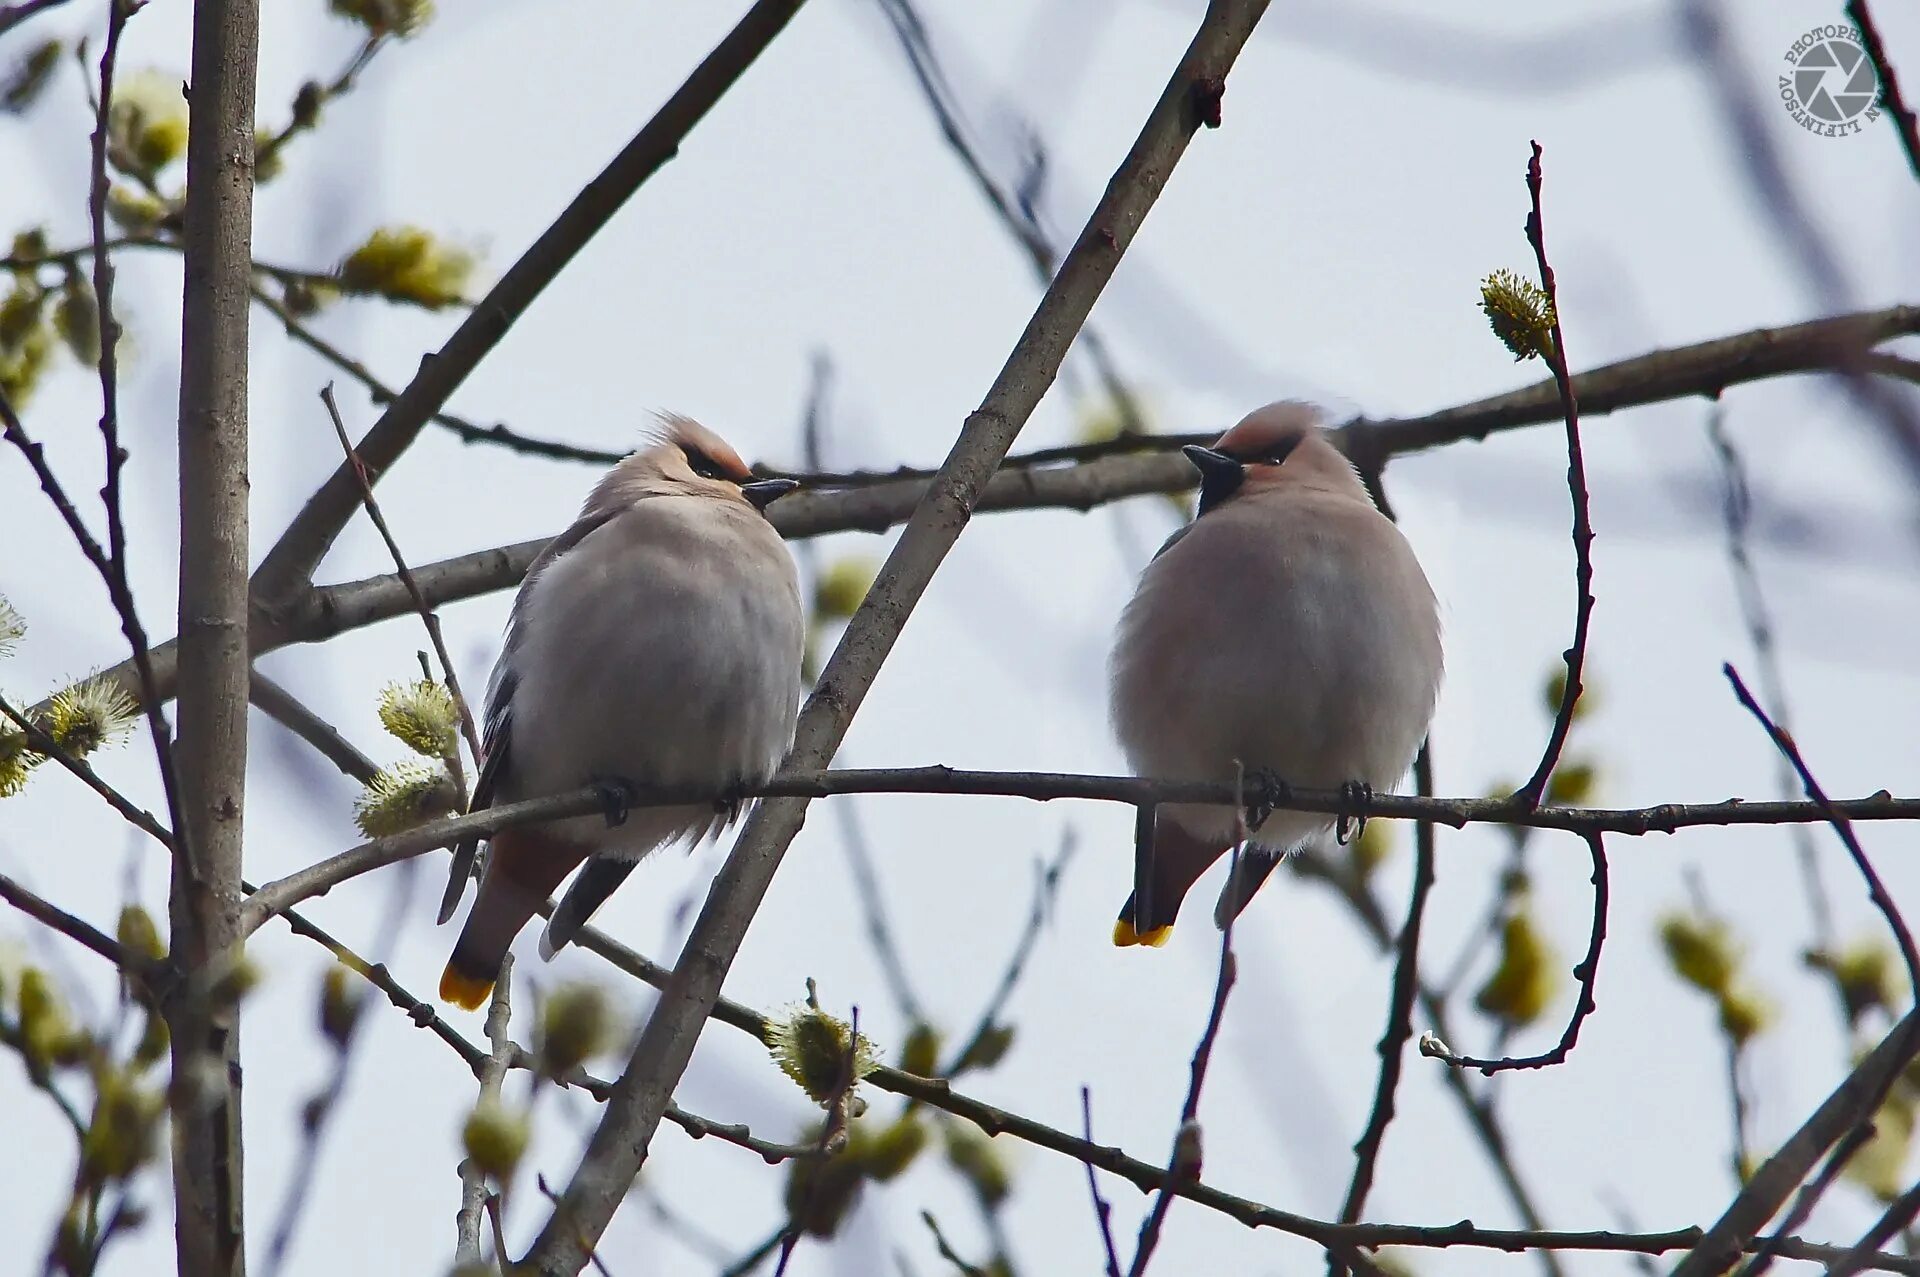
column 1326, row 243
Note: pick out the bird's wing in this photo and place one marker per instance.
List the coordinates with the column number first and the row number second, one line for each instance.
column 597, row 880
column 496, row 741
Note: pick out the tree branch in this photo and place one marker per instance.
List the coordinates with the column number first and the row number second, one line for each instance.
column 1393, row 1040
column 1856, row 1097
column 51, row 915
column 1904, row 122
column 1456, row 813
column 1576, row 655
column 214, row 613
column 1584, row 976
column 291, row 563
column 666, row 1044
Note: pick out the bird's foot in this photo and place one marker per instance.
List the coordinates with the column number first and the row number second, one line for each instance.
column 731, row 800
column 1355, row 797
column 616, row 799
column 1262, row 791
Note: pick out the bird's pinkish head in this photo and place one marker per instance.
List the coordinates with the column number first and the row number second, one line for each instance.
column 1278, row 446
column 687, row 459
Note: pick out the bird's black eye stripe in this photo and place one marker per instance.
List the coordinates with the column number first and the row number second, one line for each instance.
column 1274, row 455
column 703, row 465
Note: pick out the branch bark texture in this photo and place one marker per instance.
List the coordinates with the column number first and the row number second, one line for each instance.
column 213, row 649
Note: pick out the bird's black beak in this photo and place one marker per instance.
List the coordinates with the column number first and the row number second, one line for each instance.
column 1220, row 475
column 764, row 492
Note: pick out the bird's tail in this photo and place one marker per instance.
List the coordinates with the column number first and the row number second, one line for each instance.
column 1163, row 872
column 523, row 868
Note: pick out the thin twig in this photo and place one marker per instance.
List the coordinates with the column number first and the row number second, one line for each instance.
column 1584, row 976
column 473, row 1180
column 1043, row 893
column 945, row 1249
column 381, row 393
column 1896, row 106
column 428, row 617
column 832, row 1134
column 1876, row 889
column 14, row 14
column 1393, row 1040
column 284, row 708
column 42, row 743
column 1737, row 504
column 1102, row 1208
column 79, row 930
column 1900, row 1212
column 319, row 878
column 1576, row 655
column 108, row 335
column 319, row 1110
column 1184, row 1162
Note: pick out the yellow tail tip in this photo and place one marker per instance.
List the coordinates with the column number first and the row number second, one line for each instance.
column 1124, row 935
column 464, row 991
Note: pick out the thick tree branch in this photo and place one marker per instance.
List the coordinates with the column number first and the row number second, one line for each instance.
column 214, row 613
column 666, row 1044
column 1852, row 1101
column 291, row 563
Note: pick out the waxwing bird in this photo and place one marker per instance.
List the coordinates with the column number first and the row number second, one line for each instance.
column 657, row 641
column 1287, row 630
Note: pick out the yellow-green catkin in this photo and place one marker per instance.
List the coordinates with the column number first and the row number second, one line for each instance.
column 1519, row 313
column 408, row 264
column 813, row 1048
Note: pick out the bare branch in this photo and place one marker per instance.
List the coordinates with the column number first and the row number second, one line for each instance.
column 214, row 614
column 1456, row 813
column 280, row 705
column 1043, row 893
column 1393, row 1040
column 1584, row 977
column 427, row 616
column 13, row 15
column 1102, row 1209
column 291, row 563
column 492, row 1072
column 1896, row 106
column 1841, row 826
column 1850, row 1103
column 1183, row 1164
column 1576, row 655
column 49, row 914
